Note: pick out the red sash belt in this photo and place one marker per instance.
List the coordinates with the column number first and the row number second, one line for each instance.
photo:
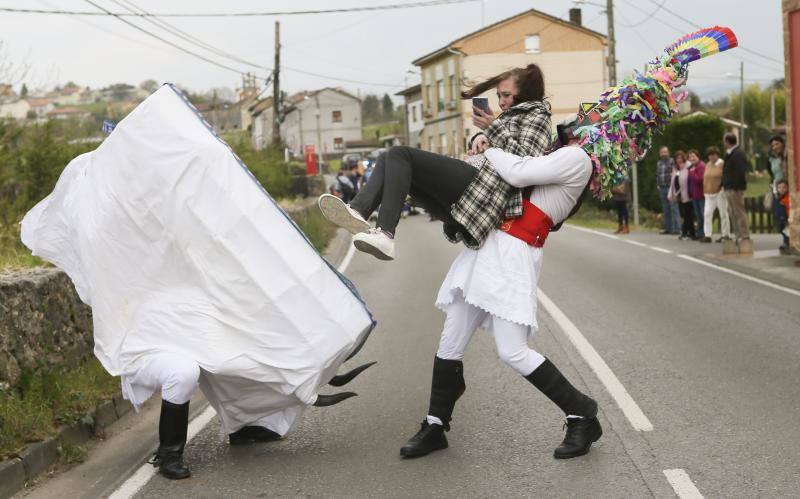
column 532, row 227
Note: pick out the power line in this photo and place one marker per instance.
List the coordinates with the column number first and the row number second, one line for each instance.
column 691, row 23
column 633, row 25
column 224, row 66
column 174, row 30
column 683, row 31
column 164, row 40
column 432, row 3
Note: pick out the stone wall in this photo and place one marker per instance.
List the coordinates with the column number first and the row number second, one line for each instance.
column 43, row 323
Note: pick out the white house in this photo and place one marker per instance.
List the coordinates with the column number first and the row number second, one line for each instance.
column 17, row 110
column 326, row 119
column 415, row 121
column 261, row 126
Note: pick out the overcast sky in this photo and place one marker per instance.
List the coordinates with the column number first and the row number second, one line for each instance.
column 371, row 47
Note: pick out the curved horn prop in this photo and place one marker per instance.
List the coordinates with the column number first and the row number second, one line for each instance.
column 343, row 379
column 327, row 400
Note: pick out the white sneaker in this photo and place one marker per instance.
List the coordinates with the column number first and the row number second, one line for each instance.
column 376, row 243
column 336, row 211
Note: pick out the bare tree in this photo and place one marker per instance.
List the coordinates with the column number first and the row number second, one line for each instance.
column 11, row 72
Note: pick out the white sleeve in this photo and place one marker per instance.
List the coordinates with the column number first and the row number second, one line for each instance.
column 521, row 171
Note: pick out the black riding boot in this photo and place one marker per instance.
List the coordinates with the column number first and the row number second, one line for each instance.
column 447, row 386
column 172, row 429
column 581, row 432
column 252, row 434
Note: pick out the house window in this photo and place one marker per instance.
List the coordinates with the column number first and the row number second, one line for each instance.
column 338, row 143
column 442, row 143
column 430, row 143
column 414, row 114
column 336, row 117
column 440, row 97
column 451, row 71
column 532, row 44
column 455, row 144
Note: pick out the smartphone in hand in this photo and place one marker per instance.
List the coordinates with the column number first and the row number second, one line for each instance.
column 481, row 103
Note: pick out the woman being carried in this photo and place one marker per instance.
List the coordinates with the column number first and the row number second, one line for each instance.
column 495, row 286
column 471, row 202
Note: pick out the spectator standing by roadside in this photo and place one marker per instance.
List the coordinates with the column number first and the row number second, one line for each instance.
column 665, row 167
column 734, row 181
column 679, row 193
column 696, row 172
column 714, row 197
column 782, row 212
column 778, row 172
column 619, row 194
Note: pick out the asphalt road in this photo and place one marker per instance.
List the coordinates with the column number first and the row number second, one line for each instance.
column 711, row 359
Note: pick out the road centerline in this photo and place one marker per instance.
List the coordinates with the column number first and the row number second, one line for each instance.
column 682, row 484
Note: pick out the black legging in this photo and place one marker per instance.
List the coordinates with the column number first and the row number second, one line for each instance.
column 687, row 214
column 433, row 180
column 622, row 212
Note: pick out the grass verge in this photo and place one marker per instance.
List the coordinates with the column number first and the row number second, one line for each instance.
column 41, row 403
column 316, row 227
column 593, row 217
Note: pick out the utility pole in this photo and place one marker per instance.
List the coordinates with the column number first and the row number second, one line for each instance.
column 772, row 109
column 741, row 105
column 276, row 88
column 612, row 45
column 319, row 135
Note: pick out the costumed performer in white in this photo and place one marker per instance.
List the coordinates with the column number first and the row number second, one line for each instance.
column 196, row 276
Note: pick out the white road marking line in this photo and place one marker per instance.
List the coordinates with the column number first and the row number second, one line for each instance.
column 695, row 260
column 682, row 484
column 742, row 275
column 347, row 257
column 621, row 396
column 635, row 243
column 143, row 475
column 592, row 231
column 132, row 485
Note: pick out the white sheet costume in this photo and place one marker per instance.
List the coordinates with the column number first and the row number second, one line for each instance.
column 179, row 251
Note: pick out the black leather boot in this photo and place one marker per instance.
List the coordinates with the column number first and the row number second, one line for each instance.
column 172, row 428
column 429, row 438
column 447, row 385
column 581, row 432
column 252, row 434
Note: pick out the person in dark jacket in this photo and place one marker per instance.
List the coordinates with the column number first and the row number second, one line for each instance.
column 734, row 181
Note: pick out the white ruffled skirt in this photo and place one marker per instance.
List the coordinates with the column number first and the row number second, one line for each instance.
column 500, row 278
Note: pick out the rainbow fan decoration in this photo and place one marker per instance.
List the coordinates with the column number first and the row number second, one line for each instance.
column 642, row 105
column 702, row 43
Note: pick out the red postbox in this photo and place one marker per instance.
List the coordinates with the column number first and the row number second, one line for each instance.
column 311, row 160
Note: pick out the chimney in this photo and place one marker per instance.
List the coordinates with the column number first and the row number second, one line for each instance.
column 575, row 16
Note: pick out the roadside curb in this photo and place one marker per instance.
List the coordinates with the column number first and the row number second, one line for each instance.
column 35, row 458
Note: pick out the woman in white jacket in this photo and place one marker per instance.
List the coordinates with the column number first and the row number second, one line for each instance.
column 495, row 287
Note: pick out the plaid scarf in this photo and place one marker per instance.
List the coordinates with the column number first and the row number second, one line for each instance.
column 523, row 130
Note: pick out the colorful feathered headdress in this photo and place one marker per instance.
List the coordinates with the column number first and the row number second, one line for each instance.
column 641, row 106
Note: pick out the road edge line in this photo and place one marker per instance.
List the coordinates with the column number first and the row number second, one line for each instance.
column 740, row 274
column 141, row 476
column 623, row 399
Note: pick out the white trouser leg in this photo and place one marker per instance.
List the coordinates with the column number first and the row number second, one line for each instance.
column 459, row 326
column 708, row 213
column 175, row 375
column 512, row 346
column 724, row 216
